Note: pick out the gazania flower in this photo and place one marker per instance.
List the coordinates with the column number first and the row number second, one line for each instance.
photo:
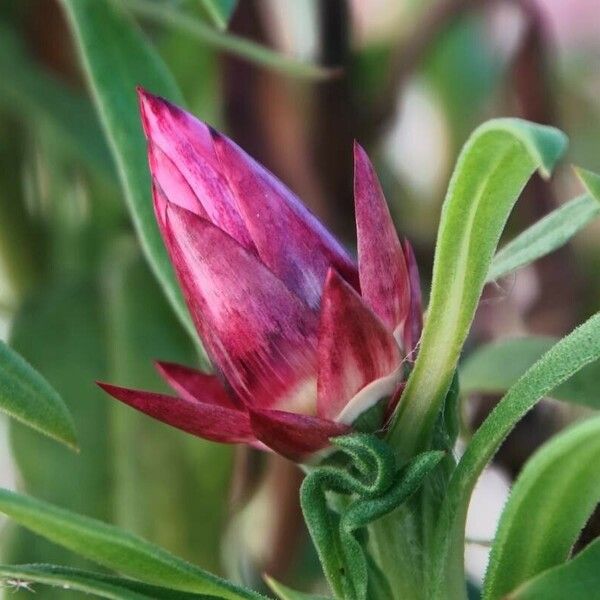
column 303, row 341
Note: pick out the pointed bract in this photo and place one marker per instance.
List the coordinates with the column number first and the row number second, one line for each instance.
column 188, row 144
column 209, row 421
column 289, row 239
column 381, row 264
column 195, row 386
column 261, row 336
column 414, row 322
column 292, row 435
column 355, row 349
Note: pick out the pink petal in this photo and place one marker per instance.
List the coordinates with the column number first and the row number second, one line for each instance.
column 355, row 349
column 194, row 385
column 187, row 146
column 291, row 435
column 261, row 335
column 290, row 240
column 383, row 274
column 172, row 184
column 209, row 421
column 414, row 323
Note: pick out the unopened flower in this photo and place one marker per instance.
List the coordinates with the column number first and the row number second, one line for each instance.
column 303, row 341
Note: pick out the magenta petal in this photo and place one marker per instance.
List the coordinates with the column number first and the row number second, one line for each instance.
column 209, row 421
column 384, row 280
column 189, row 156
column 414, row 322
column 289, row 239
column 291, row 435
column 194, row 385
column 261, row 335
column 355, row 349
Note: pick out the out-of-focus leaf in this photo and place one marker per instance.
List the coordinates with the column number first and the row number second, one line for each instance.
column 96, row 584
column 481, row 373
column 170, row 491
column 219, row 11
column 116, row 549
column 59, row 329
column 285, row 593
column 591, row 181
column 30, row 92
column 246, row 49
column 545, row 236
column 579, row 348
column 113, row 71
column 578, row 579
column 490, row 173
column 26, row 396
column 549, row 504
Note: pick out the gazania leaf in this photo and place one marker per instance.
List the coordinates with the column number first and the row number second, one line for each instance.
column 578, row 579
column 116, row 549
column 219, row 11
column 549, row 504
column 491, row 171
column 96, row 584
column 564, row 359
column 246, row 49
column 480, row 372
column 26, row 396
column 285, row 593
column 114, row 70
column 545, row 236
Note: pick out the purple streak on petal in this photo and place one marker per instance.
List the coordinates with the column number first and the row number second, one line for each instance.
column 209, row 421
column 261, row 335
column 195, row 386
column 383, row 275
column 355, row 347
column 188, row 144
column 291, row 435
column 414, row 323
column 290, row 240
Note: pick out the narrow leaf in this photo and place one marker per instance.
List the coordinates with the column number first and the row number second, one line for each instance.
column 238, row 46
column 490, row 173
column 26, row 396
column 285, row 593
column 96, row 584
column 564, row 359
column 114, row 548
column 578, row 579
column 113, row 71
column 220, row 11
column 480, row 372
column 545, row 236
column 549, row 504
column 591, row 181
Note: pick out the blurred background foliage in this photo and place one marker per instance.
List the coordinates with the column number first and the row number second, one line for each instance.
column 294, row 83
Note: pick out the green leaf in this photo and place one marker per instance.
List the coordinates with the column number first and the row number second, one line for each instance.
column 545, row 236
column 285, row 593
column 115, row 548
column 480, row 372
column 26, row 396
column 578, row 579
column 238, row 46
column 219, row 11
column 491, row 172
column 96, row 584
column 581, row 347
column 549, row 504
column 113, row 71
column 590, row 180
